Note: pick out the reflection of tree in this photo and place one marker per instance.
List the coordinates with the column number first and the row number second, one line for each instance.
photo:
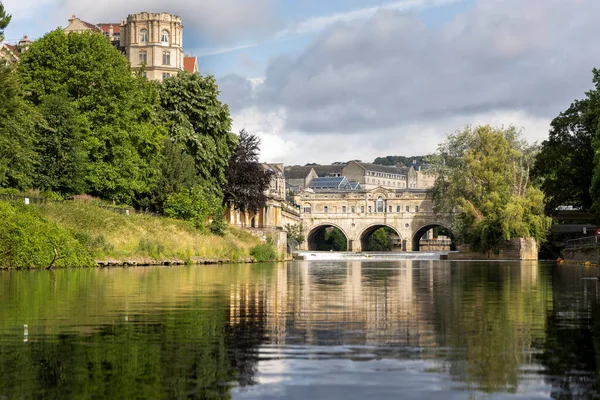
column 188, row 348
column 570, row 355
column 490, row 322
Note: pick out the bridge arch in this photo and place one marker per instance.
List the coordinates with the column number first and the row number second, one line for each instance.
column 416, row 239
column 315, row 235
column 369, row 230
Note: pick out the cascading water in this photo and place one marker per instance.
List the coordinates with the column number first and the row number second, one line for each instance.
column 331, row 255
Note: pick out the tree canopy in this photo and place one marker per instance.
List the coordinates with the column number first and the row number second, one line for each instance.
column 247, row 180
column 393, row 160
column 108, row 116
column 483, row 184
column 4, row 20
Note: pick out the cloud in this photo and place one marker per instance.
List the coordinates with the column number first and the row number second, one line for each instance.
column 221, row 20
column 369, row 85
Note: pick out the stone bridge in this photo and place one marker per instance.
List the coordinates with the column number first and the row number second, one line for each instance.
column 358, row 214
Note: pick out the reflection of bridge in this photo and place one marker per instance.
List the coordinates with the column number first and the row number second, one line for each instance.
column 358, row 214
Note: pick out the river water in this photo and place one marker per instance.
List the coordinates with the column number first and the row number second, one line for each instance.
column 302, row 330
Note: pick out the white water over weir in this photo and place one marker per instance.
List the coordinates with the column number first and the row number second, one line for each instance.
column 349, row 256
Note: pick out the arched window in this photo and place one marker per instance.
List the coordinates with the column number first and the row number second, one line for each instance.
column 380, row 205
column 164, row 36
column 144, row 36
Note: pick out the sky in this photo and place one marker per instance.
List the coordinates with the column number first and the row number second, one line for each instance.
column 338, row 80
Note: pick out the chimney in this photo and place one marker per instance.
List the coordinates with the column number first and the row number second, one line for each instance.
column 111, row 32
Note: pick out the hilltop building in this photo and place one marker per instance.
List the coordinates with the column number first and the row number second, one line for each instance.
column 152, row 42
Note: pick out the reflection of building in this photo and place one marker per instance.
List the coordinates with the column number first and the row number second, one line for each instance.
column 152, row 42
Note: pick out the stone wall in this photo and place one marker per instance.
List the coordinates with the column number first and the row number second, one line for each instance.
column 524, row 249
column 279, row 236
column 591, row 254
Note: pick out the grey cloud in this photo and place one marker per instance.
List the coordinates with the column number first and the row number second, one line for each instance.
column 534, row 56
column 223, row 20
column 236, row 91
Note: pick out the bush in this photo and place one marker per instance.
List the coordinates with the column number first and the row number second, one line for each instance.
column 195, row 205
column 264, row 252
column 27, row 240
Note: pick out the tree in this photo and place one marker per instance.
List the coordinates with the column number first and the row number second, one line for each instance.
column 4, row 20
column 393, row 160
column 198, row 120
column 483, row 185
column 17, row 125
column 380, row 240
column 117, row 112
column 247, row 181
column 295, row 235
column 564, row 164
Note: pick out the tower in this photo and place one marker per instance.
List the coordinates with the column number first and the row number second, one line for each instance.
column 153, row 44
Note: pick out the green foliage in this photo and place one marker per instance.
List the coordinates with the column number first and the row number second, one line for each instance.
column 4, row 20
column 264, row 252
column 198, row 120
column 563, row 165
column 27, row 240
column 295, row 233
column 380, row 240
column 17, row 124
column 330, row 239
column 483, row 180
column 103, row 106
column 196, row 205
column 393, row 160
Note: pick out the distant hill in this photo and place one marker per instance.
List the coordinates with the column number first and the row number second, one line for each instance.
column 393, row 160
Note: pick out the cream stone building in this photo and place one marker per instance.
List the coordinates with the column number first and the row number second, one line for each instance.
column 152, row 42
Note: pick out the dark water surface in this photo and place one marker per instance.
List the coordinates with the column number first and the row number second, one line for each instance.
column 302, row 330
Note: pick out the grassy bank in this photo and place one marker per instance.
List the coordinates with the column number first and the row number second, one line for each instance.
column 83, row 234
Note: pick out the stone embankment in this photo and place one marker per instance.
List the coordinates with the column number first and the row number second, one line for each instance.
column 147, row 262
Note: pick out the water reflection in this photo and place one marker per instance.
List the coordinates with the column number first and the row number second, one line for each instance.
column 319, row 329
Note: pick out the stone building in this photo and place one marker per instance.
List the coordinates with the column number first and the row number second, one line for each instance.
column 152, row 42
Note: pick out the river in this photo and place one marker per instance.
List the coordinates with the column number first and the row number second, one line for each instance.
column 302, row 330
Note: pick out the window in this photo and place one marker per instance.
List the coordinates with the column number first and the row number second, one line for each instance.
column 397, row 209
column 407, row 208
column 143, row 57
column 307, row 210
column 343, row 209
column 325, row 209
column 390, row 209
column 370, row 210
column 380, row 205
column 352, row 209
column 362, row 209
column 166, row 75
column 143, row 74
column 144, row 36
column 166, row 58
column 416, row 208
column 164, row 36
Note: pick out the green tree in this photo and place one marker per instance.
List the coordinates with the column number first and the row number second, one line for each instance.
column 198, row 205
column 122, row 136
column 17, row 125
column 483, row 184
column 247, row 181
column 63, row 158
column 197, row 119
column 393, row 160
column 4, row 20
column 564, row 164
column 380, row 240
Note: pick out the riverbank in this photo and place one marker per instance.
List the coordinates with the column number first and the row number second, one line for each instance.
column 81, row 234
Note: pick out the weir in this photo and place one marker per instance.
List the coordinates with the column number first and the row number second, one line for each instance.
column 350, row 256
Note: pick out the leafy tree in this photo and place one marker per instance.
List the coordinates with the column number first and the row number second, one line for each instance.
column 198, row 120
column 122, row 136
column 295, row 235
column 247, row 180
column 197, row 205
column 380, row 240
column 393, row 160
column 483, row 184
column 17, row 124
column 564, row 164
column 63, row 158
column 4, row 20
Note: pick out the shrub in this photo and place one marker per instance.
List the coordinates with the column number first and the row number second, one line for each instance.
column 264, row 252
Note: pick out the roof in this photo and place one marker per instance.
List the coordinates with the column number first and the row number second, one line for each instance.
column 336, row 182
column 190, row 64
column 105, row 27
column 275, row 167
column 297, row 172
column 8, row 51
column 327, row 170
column 92, row 27
column 388, row 169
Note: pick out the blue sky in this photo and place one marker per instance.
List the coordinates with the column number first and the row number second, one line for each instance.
column 324, row 81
